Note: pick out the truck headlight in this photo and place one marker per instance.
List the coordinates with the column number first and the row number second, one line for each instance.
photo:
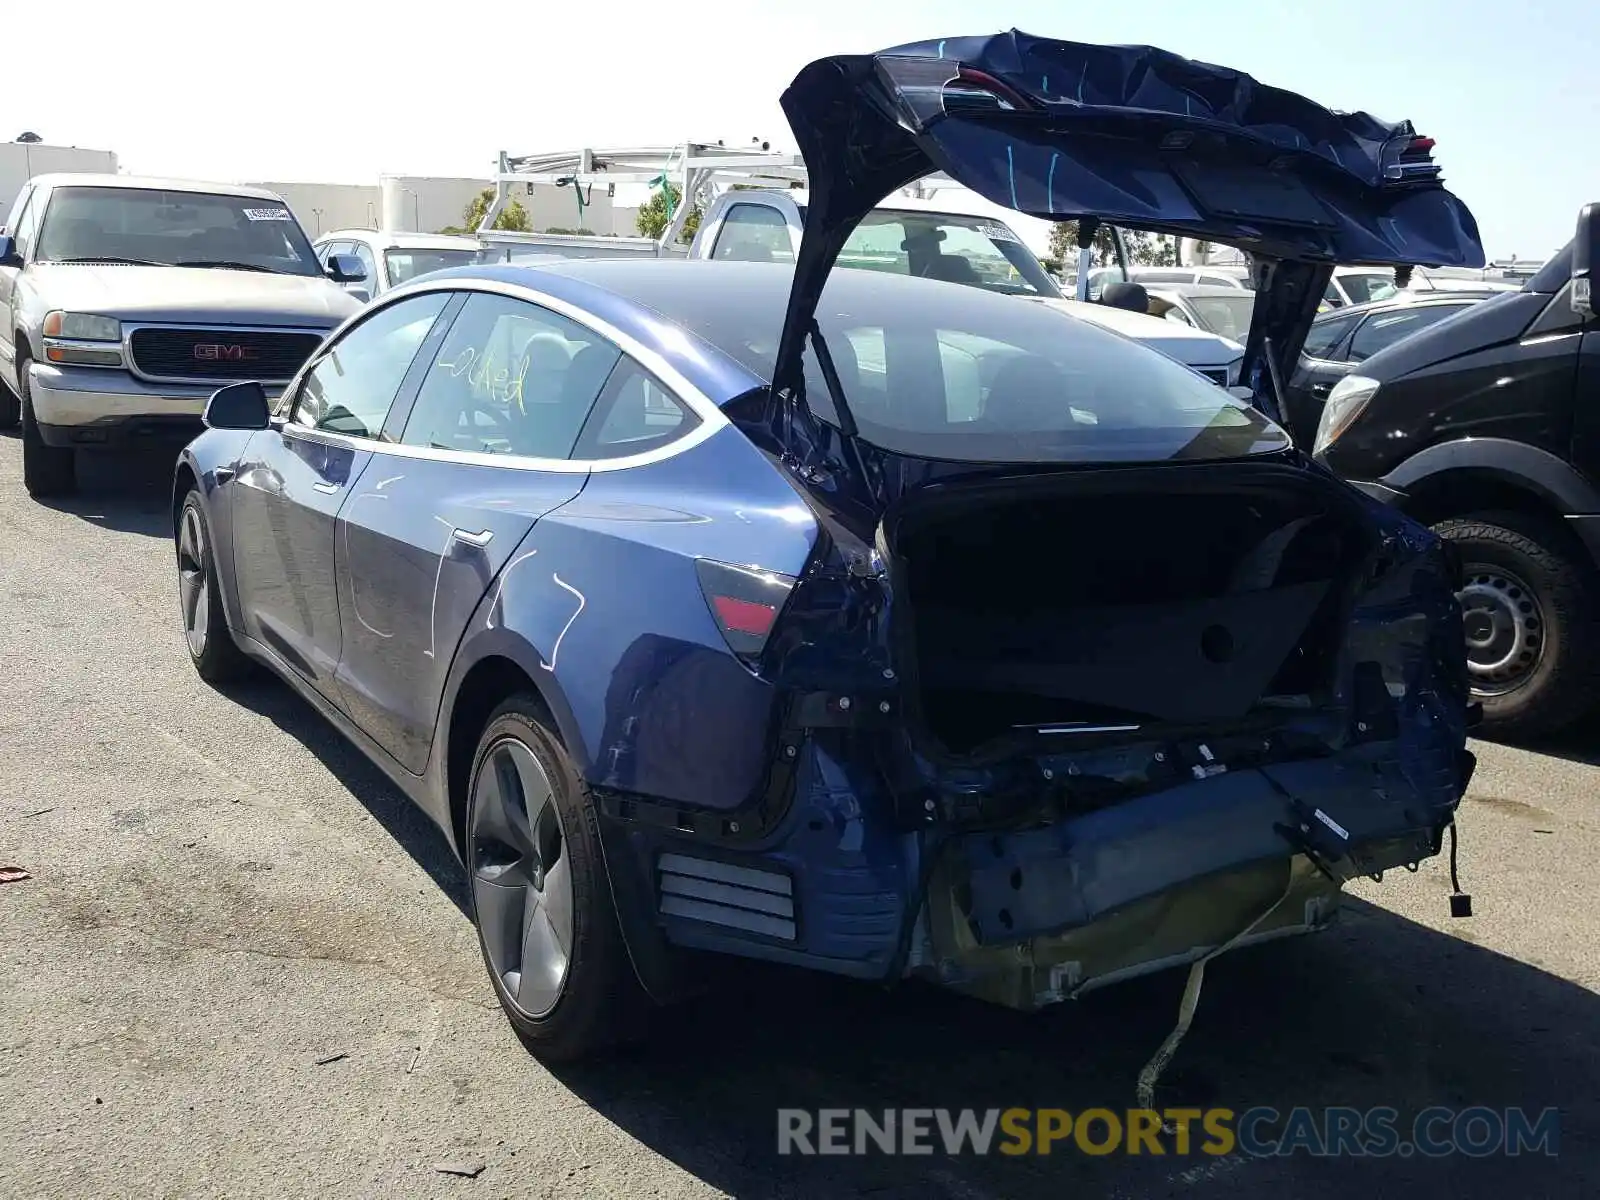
column 82, row 327
column 1347, row 401
column 82, row 339
column 1233, row 371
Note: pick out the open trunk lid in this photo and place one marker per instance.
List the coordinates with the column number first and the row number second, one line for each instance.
column 1131, row 135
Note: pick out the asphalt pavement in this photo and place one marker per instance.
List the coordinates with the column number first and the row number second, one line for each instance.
column 241, row 967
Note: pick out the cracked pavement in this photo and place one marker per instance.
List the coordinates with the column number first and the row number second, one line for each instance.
column 241, row 968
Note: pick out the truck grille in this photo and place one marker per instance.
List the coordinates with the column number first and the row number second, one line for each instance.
column 1216, row 375
column 185, row 353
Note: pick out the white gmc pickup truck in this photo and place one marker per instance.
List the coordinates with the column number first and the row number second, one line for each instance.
column 125, row 302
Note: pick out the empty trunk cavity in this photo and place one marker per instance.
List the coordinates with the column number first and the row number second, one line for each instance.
column 1138, row 606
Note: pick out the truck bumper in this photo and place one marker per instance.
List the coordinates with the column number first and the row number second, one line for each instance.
column 92, row 406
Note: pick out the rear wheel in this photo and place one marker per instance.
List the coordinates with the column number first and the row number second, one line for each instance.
column 216, row 656
column 1533, row 629
column 540, row 896
column 46, row 470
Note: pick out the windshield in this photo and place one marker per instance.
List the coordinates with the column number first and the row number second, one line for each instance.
column 1228, row 316
column 939, row 372
column 406, row 265
column 174, row 229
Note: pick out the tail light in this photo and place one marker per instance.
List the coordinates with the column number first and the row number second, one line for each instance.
column 745, row 602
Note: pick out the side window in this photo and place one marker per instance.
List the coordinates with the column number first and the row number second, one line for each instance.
column 26, row 224
column 753, row 233
column 364, row 252
column 635, row 413
column 17, row 205
column 1177, row 314
column 1382, row 330
column 1325, row 335
column 354, row 382
column 511, row 378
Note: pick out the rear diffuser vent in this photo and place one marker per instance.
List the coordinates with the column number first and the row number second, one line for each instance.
column 718, row 893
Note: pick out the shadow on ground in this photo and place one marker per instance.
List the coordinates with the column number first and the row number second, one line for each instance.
column 1379, row 1012
column 405, row 822
column 126, row 492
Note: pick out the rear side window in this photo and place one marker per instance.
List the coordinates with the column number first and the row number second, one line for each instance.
column 511, row 378
column 1325, row 335
column 1382, row 330
column 635, row 414
column 754, row 233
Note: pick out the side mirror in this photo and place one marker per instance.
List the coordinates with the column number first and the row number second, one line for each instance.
column 346, row 268
column 238, row 406
column 8, row 252
column 1585, row 251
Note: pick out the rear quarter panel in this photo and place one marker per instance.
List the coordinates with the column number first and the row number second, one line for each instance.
column 601, row 604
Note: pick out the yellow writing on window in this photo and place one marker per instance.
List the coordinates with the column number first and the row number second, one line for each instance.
column 503, row 385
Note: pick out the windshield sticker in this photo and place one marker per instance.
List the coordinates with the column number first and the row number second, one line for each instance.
column 998, row 233
column 267, row 214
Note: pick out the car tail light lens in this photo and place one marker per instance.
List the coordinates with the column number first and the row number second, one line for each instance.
column 745, row 603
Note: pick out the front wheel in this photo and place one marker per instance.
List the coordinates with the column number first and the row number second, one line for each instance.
column 46, row 470
column 1532, row 626
column 540, row 896
column 216, row 656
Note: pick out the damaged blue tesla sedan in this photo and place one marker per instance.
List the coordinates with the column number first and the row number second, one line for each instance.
column 859, row 622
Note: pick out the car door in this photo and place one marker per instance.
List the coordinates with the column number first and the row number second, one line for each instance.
column 20, row 224
column 484, row 452
column 293, row 478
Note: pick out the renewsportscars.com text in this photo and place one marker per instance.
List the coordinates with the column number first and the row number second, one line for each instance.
column 1476, row 1132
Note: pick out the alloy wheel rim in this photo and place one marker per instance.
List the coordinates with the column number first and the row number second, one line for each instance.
column 521, row 881
column 1505, row 629
column 192, row 567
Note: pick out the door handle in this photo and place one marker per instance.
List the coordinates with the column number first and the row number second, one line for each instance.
column 479, row 539
column 327, row 489
column 1321, row 389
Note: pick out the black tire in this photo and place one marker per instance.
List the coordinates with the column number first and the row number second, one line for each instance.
column 1537, row 575
column 46, row 470
column 599, row 1002
column 215, row 655
column 10, row 408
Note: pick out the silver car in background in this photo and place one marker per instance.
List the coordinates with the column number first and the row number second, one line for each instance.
column 390, row 259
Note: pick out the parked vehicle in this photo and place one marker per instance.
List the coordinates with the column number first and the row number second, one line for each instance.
column 126, row 300
column 921, row 239
column 1162, row 277
column 1483, row 426
column 760, row 217
column 1224, row 311
column 390, row 259
column 1340, row 341
column 703, row 605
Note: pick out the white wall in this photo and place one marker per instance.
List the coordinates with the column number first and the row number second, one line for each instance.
column 21, row 161
column 324, row 206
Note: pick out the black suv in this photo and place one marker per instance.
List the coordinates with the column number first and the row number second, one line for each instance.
column 1342, row 339
column 1487, row 427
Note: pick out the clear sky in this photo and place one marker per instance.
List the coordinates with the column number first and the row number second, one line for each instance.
column 341, row 90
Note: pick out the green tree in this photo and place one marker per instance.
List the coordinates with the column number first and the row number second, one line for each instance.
column 1064, row 244
column 513, row 217
column 655, row 214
